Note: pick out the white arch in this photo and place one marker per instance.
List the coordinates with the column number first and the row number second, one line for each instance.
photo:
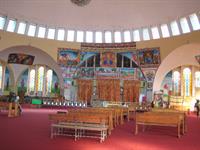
column 41, row 57
column 183, row 55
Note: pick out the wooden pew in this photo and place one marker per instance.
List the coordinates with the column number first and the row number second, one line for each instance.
column 117, row 114
column 107, row 115
column 9, row 106
column 183, row 115
column 79, row 122
column 119, row 111
column 4, row 105
column 158, row 119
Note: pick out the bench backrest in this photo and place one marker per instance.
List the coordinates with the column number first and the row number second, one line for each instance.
column 77, row 118
column 158, row 118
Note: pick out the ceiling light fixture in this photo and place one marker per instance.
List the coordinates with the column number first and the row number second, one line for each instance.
column 80, row 2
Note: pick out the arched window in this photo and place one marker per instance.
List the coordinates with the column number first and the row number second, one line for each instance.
column 1, row 76
column 32, row 80
column 49, row 81
column 187, row 81
column 40, row 78
column 197, row 79
column 176, row 81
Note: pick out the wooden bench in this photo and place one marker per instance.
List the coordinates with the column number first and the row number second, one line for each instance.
column 4, row 105
column 158, row 119
column 67, row 129
column 107, row 115
column 182, row 114
column 77, row 125
column 116, row 113
column 13, row 108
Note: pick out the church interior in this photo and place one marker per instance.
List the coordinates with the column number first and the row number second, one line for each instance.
column 99, row 74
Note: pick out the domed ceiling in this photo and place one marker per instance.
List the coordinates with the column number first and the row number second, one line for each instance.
column 99, row 14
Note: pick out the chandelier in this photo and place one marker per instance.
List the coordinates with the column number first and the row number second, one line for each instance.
column 198, row 58
column 80, row 2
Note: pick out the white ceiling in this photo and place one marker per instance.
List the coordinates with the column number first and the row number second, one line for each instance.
column 99, row 14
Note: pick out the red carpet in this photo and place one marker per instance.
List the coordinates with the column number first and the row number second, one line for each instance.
column 31, row 131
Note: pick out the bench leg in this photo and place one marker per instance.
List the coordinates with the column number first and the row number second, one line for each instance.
column 183, row 128
column 136, row 129
column 52, row 132
column 76, row 133
column 185, row 124
column 102, row 137
column 109, row 131
column 179, row 130
column 128, row 116
column 143, row 128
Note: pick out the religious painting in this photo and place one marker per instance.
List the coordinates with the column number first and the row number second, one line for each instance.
column 22, row 82
column 149, row 85
column 86, row 73
column 131, row 55
column 86, row 55
column 18, row 58
column 140, row 75
column 108, row 59
column 149, row 57
column 107, row 72
column 149, row 74
column 67, row 83
column 68, row 57
column 167, row 81
column 68, row 72
column 128, row 73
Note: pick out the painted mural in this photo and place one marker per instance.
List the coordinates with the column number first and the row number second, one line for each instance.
column 86, row 73
column 18, row 58
column 68, row 73
column 86, row 55
column 131, row 55
column 107, row 72
column 108, row 59
column 149, row 57
column 128, row 73
column 68, row 57
column 22, row 84
column 111, row 61
column 149, row 73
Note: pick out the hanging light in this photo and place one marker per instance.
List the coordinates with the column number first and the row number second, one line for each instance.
column 80, row 2
column 198, row 58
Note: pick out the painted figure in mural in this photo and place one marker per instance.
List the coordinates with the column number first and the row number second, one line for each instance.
column 148, row 57
column 108, row 59
column 56, row 88
column 7, row 84
column 22, row 83
column 197, row 107
column 72, row 92
column 141, row 58
column 28, row 60
column 156, row 59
